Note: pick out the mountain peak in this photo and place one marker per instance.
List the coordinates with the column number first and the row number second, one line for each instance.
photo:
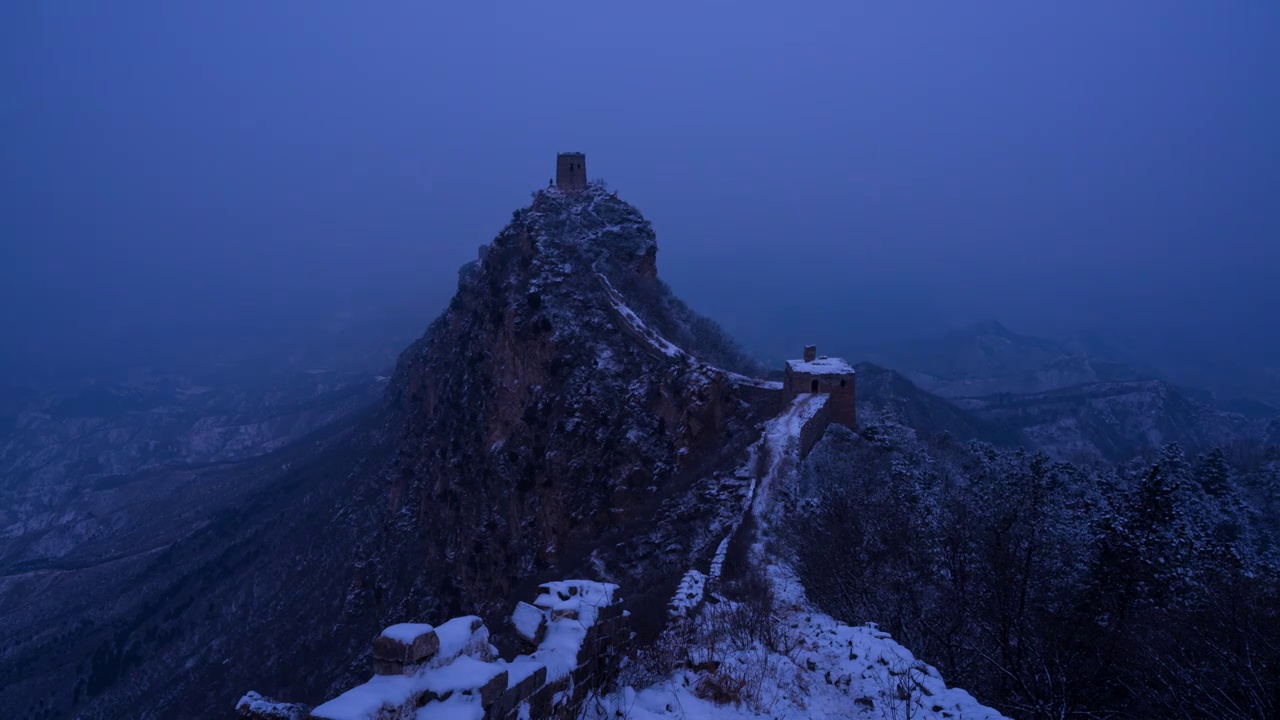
column 593, row 222
column 986, row 327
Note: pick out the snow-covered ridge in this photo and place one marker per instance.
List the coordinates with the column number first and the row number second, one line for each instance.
column 795, row 422
column 577, row 628
column 633, row 323
column 825, row 669
column 830, row 670
column 654, row 340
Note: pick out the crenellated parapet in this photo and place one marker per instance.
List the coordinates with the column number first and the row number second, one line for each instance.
column 577, row 632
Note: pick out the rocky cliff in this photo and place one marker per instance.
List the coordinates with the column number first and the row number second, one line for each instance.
column 529, row 420
column 566, row 413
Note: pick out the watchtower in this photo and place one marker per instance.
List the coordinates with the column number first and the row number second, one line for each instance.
column 571, row 172
column 821, row 374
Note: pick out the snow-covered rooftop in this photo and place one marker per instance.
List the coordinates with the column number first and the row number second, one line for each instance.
column 822, row 366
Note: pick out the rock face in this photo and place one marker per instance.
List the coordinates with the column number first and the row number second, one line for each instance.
column 525, row 436
column 528, row 422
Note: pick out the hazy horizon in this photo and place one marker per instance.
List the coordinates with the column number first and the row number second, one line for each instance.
column 839, row 174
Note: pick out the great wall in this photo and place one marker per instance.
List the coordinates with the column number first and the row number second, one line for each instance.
column 578, row 628
column 578, row 632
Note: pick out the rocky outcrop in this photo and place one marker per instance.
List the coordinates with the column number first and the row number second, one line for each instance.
column 529, row 423
column 525, row 436
column 453, row 671
column 256, row 707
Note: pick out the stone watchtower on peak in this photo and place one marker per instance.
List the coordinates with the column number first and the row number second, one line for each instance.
column 571, row 172
column 823, row 375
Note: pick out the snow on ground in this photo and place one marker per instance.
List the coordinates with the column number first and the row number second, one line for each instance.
column 462, row 661
column 740, row 379
column 812, row 666
column 527, row 620
column 659, row 343
column 406, row 632
column 466, row 660
column 458, row 636
column 259, row 706
column 689, row 594
column 583, row 598
column 782, row 440
column 456, row 707
column 826, row 670
column 747, row 470
column 366, row 701
column 670, row 349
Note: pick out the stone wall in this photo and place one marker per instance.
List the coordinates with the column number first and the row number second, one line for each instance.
column 766, row 402
column 841, row 388
column 844, row 405
column 596, row 672
column 578, row 632
column 813, row 427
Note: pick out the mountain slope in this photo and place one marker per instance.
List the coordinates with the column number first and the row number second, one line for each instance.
column 887, row 395
column 988, row 358
column 1054, row 397
column 73, row 454
column 526, row 428
column 1116, row 421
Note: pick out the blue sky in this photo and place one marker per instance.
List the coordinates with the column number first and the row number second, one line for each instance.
column 839, row 172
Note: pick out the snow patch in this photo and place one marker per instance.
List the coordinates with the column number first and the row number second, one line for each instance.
column 527, row 619
column 689, row 594
column 659, row 343
column 821, row 366
column 455, row 707
column 406, row 632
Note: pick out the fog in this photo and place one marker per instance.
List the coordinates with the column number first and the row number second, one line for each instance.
column 845, row 173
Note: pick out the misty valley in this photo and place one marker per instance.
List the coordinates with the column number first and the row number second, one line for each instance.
column 1056, row 532
column 660, row 361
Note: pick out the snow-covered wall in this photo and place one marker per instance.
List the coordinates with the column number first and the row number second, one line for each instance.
column 579, row 634
column 814, row 425
column 765, row 398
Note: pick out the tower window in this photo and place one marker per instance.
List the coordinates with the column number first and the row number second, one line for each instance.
column 842, row 383
column 814, row 386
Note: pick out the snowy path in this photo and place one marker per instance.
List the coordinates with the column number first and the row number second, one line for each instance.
column 659, row 344
column 781, row 441
column 831, row 669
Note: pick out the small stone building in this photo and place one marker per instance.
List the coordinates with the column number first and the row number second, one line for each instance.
column 571, row 172
column 821, row 374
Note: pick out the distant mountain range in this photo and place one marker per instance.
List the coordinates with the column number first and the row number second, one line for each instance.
column 155, row 566
column 1054, row 397
column 170, row 540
